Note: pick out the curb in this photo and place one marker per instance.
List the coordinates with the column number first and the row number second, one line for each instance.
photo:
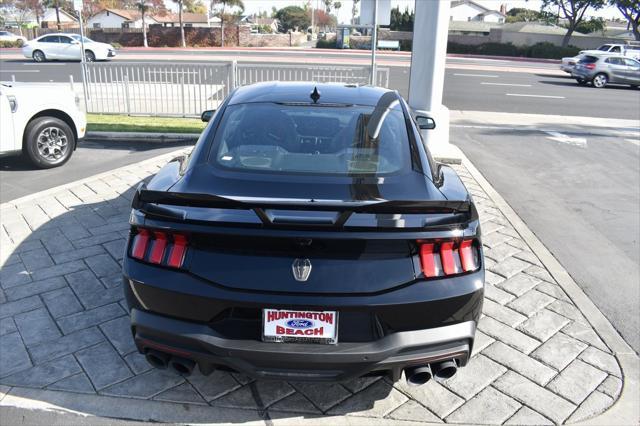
column 141, row 137
column 625, row 410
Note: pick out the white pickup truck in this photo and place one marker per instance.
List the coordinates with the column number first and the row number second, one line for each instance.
column 40, row 121
column 630, row 50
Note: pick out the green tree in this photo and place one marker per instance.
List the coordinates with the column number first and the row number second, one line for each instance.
column 292, row 17
column 401, row 21
column 591, row 25
column 630, row 9
column 521, row 14
column 196, row 7
column 572, row 11
column 223, row 4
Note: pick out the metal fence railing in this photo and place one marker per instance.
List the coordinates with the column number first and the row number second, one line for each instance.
column 187, row 89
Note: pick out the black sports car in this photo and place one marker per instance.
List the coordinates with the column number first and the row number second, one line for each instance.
column 309, row 235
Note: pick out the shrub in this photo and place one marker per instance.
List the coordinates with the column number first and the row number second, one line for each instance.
column 116, row 45
column 326, row 43
column 8, row 44
column 539, row 50
column 549, row 50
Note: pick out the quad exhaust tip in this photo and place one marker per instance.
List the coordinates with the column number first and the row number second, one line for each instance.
column 161, row 360
column 421, row 374
column 418, row 375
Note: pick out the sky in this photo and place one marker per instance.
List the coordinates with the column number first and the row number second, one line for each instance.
column 344, row 14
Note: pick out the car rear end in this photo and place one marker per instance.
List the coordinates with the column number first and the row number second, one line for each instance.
column 586, row 68
column 236, row 263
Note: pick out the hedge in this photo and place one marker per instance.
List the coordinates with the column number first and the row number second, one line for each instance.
column 6, row 43
column 544, row 50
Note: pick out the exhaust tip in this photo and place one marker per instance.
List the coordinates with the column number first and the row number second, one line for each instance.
column 445, row 370
column 417, row 376
column 157, row 359
column 182, row 366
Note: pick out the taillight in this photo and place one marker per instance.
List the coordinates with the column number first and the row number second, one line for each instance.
column 448, row 257
column 159, row 247
column 590, row 66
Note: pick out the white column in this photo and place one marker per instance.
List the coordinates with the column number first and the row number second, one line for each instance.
column 428, row 57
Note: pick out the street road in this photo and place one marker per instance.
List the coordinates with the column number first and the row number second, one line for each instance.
column 470, row 83
column 18, row 178
column 580, row 194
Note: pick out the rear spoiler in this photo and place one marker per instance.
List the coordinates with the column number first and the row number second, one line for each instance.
column 144, row 198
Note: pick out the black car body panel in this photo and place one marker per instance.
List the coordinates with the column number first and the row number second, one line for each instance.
column 362, row 233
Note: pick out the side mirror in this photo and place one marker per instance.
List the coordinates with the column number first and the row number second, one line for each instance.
column 75, row 42
column 207, row 115
column 425, row 123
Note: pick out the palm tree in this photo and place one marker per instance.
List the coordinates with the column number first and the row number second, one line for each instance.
column 354, row 10
column 337, row 5
column 180, row 7
column 327, row 5
column 224, row 4
column 143, row 7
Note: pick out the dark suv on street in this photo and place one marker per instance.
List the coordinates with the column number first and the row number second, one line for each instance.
column 308, row 236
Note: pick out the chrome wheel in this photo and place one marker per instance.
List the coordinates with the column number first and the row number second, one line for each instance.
column 38, row 56
column 600, row 80
column 52, row 144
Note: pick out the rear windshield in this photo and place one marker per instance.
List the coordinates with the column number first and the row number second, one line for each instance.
column 604, row 47
column 311, row 139
column 588, row 59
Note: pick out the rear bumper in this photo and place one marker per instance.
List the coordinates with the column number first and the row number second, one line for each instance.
column 308, row 362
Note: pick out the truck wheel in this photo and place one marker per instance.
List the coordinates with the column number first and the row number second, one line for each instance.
column 600, row 80
column 48, row 142
column 38, row 56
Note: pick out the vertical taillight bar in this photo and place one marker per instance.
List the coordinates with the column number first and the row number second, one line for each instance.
column 427, row 260
column 140, row 243
column 446, row 256
column 159, row 245
column 178, row 250
column 468, row 258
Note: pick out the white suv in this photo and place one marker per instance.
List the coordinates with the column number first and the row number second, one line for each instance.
column 40, row 121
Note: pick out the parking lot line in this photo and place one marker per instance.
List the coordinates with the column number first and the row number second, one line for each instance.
column 476, row 75
column 505, row 84
column 19, row 70
column 535, row 96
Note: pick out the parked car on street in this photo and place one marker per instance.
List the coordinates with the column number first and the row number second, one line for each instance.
column 603, row 70
column 630, row 50
column 308, row 236
column 41, row 122
column 66, row 47
column 13, row 38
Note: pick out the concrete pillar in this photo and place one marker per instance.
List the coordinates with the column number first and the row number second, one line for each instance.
column 428, row 57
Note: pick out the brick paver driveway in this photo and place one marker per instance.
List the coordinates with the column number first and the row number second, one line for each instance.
column 63, row 326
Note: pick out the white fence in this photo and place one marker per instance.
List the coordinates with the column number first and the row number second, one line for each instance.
column 188, row 89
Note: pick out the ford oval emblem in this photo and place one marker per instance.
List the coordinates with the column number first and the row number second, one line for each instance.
column 300, row 323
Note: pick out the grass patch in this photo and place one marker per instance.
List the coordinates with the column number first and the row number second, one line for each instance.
column 124, row 123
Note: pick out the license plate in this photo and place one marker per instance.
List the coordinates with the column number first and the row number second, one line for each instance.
column 299, row 326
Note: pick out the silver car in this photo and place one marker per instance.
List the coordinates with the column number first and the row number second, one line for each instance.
column 603, row 70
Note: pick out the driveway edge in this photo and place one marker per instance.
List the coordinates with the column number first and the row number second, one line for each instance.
column 625, row 410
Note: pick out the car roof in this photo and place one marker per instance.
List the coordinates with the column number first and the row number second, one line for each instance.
column 299, row 92
column 60, row 34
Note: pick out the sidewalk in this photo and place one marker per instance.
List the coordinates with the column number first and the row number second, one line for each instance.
column 544, row 354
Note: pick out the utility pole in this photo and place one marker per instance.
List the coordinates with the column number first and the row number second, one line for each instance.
column 78, row 6
column 374, row 43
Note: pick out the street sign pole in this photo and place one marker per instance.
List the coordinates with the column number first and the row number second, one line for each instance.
column 374, row 43
column 77, row 5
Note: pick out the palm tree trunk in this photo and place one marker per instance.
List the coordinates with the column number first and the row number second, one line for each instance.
column 57, row 7
column 181, row 26
column 222, row 25
column 144, row 30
